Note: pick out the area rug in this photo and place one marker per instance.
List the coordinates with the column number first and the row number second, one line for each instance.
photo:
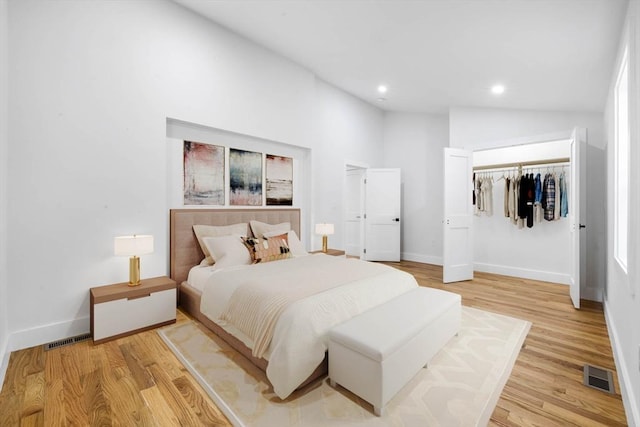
column 460, row 387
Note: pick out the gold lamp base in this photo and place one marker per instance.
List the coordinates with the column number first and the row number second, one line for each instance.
column 134, row 271
column 324, row 244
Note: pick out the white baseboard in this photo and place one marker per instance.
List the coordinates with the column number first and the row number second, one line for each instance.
column 41, row 335
column 546, row 276
column 626, row 390
column 4, row 362
column 425, row 259
column 591, row 294
column 47, row 333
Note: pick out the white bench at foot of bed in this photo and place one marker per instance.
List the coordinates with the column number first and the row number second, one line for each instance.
column 376, row 353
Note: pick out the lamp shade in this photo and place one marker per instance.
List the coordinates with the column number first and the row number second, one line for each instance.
column 324, row 229
column 133, row 245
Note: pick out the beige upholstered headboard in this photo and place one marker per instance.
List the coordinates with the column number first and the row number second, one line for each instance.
column 184, row 249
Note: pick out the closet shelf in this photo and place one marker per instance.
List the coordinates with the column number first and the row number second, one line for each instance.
column 529, row 163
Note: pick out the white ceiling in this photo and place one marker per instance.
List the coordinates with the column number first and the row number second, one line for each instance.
column 434, row 54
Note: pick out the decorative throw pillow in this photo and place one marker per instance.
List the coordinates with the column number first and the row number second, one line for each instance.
column 228, row 251
column 203, row 231
column 295, row 245
column 259, row 229
column 267, row 249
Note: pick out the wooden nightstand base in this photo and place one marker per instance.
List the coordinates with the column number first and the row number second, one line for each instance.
column 125, row 334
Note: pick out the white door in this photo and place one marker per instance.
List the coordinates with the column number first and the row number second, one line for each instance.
column 457, row 259
column 382, row 215
column 577, row 213
column 353, row 216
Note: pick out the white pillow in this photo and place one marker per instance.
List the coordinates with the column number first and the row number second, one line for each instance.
column 228, row 251
column 295, row 245
column 259, row 229
column 203, row 231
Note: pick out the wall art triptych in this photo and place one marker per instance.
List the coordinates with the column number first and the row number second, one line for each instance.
column 204, row 177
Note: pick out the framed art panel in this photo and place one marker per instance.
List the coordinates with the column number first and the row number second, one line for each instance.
column 279, row 180
column 245, row 178
column 203, row 174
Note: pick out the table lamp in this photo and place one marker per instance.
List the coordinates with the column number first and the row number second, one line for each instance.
column 324, row 230
column 133, row 246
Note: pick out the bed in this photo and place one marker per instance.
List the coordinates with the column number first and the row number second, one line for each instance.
column 295, row 355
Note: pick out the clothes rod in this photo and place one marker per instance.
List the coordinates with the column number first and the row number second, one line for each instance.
column 529, row 163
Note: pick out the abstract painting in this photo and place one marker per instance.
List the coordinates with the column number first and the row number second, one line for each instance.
column 279, row 180
column 245, row 178
column 203, row 174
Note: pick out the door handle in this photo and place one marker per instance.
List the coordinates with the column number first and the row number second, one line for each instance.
column 582, row 226
column 396, row 219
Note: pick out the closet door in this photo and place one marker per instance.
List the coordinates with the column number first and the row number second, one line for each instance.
column 577, row 213
column 457, row 259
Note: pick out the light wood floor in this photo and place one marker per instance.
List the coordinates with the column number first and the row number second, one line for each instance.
column 137, row 381
column 545, row 387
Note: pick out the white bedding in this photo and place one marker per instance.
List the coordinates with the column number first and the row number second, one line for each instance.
column 199, row 275
column 299, row 341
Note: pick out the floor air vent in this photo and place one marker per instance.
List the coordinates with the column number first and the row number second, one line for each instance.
column 66, row 341
column 598, row 378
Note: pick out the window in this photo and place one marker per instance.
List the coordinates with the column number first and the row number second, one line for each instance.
column 621, row 166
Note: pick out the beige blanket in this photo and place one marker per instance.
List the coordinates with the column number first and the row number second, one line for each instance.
column 256, row 305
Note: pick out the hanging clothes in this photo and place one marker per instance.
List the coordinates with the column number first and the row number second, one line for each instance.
column 522, row 199
column 478, row 194
column 506, row 197
column 518, row 201
column 530, row 198
column 556, row 207
column 549, row 197
column 537, row 203
column 564, row 201
column 512, row 200
column 473, row 191
column 487, row 196
column 527, row 196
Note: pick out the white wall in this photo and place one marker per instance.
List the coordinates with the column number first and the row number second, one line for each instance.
column 622, row 300
column 481, row 128
column 489, row 127
column 4, row 318
column 178, row 132
column 558, row 149
column 348, row 131
column 414, row 143
column 88, row 158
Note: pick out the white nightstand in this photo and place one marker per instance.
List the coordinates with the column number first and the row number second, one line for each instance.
column 119, row 310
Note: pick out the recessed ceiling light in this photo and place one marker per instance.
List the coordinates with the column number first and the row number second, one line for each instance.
column 382, row 89
column 497, row 89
